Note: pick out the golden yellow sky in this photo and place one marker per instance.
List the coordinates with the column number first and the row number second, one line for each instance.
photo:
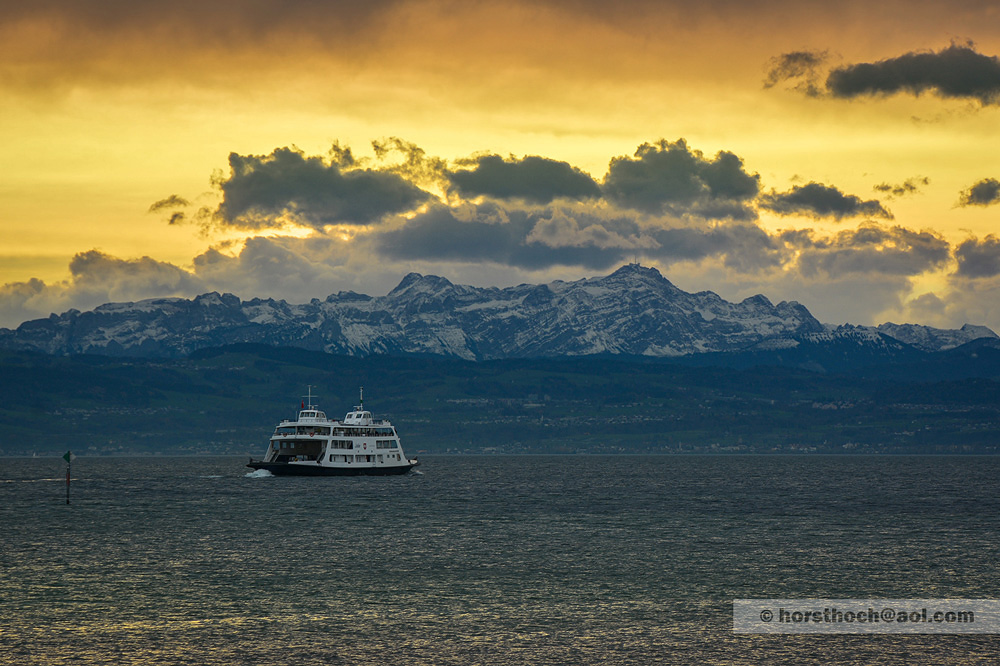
column 109, row 107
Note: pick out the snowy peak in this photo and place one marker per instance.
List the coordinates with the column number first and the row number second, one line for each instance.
column 759, row 300
column 935, row 339
column 415, row 284
column 632, row 311
column 634, row 276
column 217, row 300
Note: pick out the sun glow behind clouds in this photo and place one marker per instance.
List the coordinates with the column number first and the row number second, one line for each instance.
column 341, row 232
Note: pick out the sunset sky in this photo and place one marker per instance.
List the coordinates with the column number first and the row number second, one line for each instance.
column 845, row 155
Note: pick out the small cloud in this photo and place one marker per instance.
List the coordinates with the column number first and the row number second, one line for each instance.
column 532, row 178
column 909, row 186
column 173, row 201
column 263, row 191
column 21, row 301
column 818, row 201
column 978, row 258
column 870, row 249
column 341, row 156
column 927, row 308
column 957, row 72
column 297, row 267
column 128, row 279
column 561, row 228
column 802, row 67
column 670, row 178
column 95, row 278
column 409, row 161
column 984, row 193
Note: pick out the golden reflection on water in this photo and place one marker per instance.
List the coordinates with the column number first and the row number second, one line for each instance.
column 484, row 561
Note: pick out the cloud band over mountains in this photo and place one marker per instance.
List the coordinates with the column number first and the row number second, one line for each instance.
column 316, row 217
column 667, row 202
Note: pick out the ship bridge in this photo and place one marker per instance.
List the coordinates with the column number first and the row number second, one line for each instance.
column 358, row 417
column 312, row 415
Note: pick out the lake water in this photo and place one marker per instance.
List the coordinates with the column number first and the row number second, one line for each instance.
column 485, row 560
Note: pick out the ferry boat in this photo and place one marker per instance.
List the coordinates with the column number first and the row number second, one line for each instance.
column 313, row 445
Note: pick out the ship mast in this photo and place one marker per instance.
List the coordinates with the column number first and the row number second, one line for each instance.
column 309, row 398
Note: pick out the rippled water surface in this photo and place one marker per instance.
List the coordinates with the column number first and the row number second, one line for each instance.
column 485, row 560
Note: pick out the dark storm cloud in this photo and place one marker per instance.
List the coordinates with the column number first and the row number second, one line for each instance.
column 800, row 66
column 442, row 235
column 492, row 233
column 542, row 238
column 671, row 178
column 663, row 179
column 984, row 193
column 535, row 179
column 956, row 72
column 978, row 258
column 671, row 204
column 909, row 186
column 741, row 246
column 870, row 249
column 817, row 200
column 286, row 182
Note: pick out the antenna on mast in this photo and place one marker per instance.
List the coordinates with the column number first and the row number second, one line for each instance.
column 309, row 398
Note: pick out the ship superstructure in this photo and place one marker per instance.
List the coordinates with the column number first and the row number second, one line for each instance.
column 314, row 445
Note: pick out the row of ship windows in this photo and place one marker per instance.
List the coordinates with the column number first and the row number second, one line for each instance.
column 345, row 444
column 346, row 459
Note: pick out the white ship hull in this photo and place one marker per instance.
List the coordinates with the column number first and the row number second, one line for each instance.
column 307, row 469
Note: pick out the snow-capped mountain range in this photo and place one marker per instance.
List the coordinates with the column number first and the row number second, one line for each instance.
column 633, row 311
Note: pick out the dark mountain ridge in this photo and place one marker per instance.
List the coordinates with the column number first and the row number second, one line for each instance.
column 227, row 400
column 634, row 311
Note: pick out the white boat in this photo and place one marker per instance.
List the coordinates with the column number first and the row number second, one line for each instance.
column 313, row 445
